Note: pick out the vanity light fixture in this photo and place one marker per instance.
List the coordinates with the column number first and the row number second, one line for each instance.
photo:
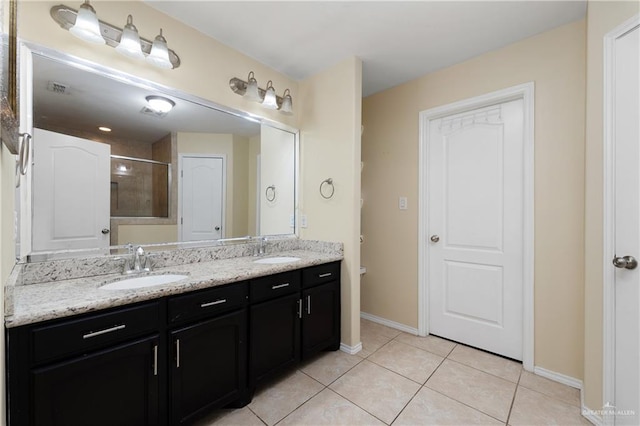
column 287, row 103
column 252, row 93
column 84, row 24
column 267, row 97
column 160, row 104
column 130, row 41
column 159, row 55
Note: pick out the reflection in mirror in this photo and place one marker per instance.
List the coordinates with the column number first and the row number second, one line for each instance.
column 123, row 172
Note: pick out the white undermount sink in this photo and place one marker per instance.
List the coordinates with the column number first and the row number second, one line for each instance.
column 145, row 281
column 275, row 260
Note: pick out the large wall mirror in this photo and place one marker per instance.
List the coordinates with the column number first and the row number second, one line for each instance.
column 111, row 166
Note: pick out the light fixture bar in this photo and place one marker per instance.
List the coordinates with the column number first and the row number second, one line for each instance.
column 66, row 17
column 240, row 87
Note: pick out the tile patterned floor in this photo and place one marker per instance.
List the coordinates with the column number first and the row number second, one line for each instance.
column 402, row 379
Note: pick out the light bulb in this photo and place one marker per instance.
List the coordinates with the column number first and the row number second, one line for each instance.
column 287, row 103
column 252, row 93
column 130, row 41
column 270, row 97
column 87, row 26
column 159, row 55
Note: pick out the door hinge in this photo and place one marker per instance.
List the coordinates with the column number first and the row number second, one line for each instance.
column 181, row 221
column 181, row 173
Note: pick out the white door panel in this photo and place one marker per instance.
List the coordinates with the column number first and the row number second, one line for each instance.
column 476, row 208
column 627, row 226
column 201, row 195
column 70, row 192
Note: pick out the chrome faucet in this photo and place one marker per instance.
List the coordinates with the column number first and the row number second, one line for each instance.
column 136, row 261
column 260, row 248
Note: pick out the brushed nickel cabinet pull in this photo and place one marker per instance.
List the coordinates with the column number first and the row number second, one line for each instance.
column 300, row 308
column 155, row 360
column 309, row 305
column 177, row 353
column 217, row 302
column 105, row 331
column 328, row 274
column 275, row 287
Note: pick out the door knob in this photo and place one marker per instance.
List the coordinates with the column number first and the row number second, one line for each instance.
column 105, row 231
column 435, row 238
column 217, row 228
column 626, row 262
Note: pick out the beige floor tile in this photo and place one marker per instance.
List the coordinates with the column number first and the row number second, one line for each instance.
column 238, row 417
column 329, row 366
column 550, row 388
column 432, row 344
column 533, row 408
column 485, row 392
column 409, row 361
column 329, row 408
column 279, row 398
column 429, row 407
column 366, row 325
column 489, row 363
column 371, row 342
column 376, row 390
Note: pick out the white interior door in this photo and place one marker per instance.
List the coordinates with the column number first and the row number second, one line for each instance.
column 202, row 198
column 70, row 192
column 626, row 131
column 476, row 225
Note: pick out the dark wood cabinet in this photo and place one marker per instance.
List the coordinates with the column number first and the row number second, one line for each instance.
column 208, row 366
column 115, row 386
column 321, row 318
column 171, row 360
column 274, row 336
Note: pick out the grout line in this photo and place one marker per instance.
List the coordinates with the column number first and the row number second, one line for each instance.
column 362, row 408
column 464, row 403
column 406, row 405
column 513, row 400
column 486, row 372
column 256, row 414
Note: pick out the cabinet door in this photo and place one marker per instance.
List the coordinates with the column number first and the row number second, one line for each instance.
column 116, row 386
column 208, row 366
column 274, row 330
column 321, row 318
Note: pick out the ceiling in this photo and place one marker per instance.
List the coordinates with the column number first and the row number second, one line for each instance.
column 397, row 41
column 91, row 100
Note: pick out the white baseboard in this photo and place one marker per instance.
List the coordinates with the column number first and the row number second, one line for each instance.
column 351, row 350
column 389, row 323
column 586, row 412
column 590, row 414
column 557, row 377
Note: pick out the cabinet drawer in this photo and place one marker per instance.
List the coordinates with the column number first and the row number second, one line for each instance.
column 274, row 286
column 207, row 302
column 92, row 332
column 320, row 274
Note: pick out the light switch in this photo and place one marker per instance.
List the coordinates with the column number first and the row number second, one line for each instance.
column 402, row 203
column 303, row 220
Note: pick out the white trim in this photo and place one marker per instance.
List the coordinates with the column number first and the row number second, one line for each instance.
column 558, row 377
column 389, row 323
column 181, row 156
column 526, row 93
column 588, row 413
column 351, row 350
column 608, row 251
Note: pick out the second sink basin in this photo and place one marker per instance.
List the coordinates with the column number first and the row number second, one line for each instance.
column 274, row 260
column 145, row 281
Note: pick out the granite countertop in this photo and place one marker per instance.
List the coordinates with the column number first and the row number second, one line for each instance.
column 57, row 299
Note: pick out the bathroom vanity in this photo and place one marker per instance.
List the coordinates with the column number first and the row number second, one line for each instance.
column 168, row 354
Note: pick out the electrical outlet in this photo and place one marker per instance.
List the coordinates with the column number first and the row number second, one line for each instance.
column 402, row 203
column 303, row 220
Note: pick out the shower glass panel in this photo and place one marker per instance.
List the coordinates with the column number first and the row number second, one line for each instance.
column 139, row 187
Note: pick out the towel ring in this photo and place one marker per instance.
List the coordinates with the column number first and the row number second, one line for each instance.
column 270, row 193
column 328, row 182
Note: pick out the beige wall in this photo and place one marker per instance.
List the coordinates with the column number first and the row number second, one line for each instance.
column 602, row 17
column 147, row 234
column 252, row 176
column 555, row 61
column 240, row 200
column 330, row 104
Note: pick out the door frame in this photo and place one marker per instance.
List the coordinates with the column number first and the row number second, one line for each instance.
column 224, row 189
column 608, row 251
column 526, row 93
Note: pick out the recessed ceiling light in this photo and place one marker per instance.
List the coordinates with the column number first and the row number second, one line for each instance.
column 104, row 129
